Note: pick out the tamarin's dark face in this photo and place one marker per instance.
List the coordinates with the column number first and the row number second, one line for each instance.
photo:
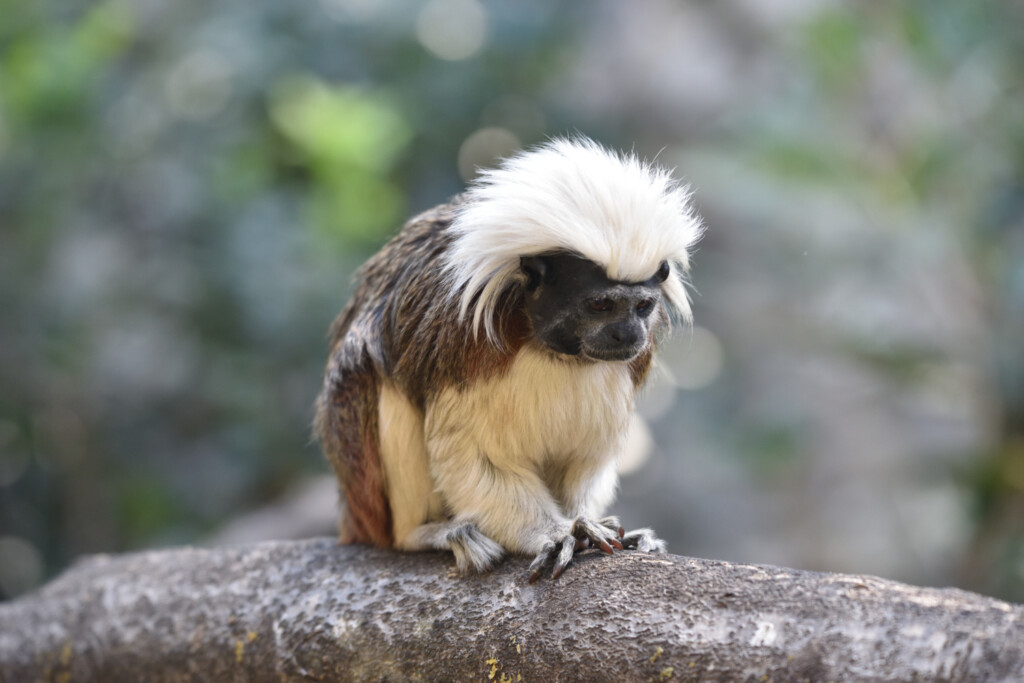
column 577, row 310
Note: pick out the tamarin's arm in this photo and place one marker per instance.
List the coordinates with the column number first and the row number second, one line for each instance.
column 491, row 486
column 509, row 504
column 586, row 491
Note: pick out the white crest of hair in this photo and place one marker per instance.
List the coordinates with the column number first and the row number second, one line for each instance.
column 570, row 194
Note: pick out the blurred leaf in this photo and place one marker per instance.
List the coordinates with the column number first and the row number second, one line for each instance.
column 802, row 161
column 833, row 47
column 350, row 137
column 145, row 506
column 918, row 35
column 242, row 172
column 360, row 207
column 19, row 18
column 339, row 127
column 104, row 32
column 51, row 72
column 770, row 450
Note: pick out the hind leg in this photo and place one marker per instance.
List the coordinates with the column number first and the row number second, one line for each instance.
column 472, row 549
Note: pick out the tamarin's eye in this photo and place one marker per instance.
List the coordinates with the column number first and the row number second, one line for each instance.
column 644, row 306
column 601, row 304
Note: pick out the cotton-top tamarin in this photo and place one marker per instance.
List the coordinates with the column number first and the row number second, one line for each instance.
column 482, row 378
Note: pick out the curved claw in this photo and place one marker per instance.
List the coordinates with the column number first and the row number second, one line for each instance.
column 559, row 554
column 607, row 534
column 564, row 556
column 598, row 533
column 612, row 522
column 543, row 558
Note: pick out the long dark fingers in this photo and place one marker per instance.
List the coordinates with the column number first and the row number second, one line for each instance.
column 543, row 559
column 564, row 556
column 600, row 535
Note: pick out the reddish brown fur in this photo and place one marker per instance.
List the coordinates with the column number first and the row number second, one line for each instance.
column 347, row 422
column 640, row 367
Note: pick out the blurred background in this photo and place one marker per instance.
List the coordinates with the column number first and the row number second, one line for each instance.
column 186, row 189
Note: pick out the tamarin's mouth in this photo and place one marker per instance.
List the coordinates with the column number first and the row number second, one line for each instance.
column 583, row 352
column 613, row 354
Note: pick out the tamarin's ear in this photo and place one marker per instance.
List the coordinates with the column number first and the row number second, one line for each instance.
column 663, row 272
column 536, row 269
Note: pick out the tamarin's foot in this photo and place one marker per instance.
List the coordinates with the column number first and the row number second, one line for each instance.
column 643, row 540
column 474, row 552
column 559, row 552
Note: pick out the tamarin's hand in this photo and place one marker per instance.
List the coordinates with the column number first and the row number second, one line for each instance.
column 605, row 534
column 481, row 379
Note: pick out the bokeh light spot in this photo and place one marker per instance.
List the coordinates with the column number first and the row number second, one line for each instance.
column 697, row 361
column 452, row 29
column 484, row 148
column 351, row 11
column 21, row 568
column 199, row 86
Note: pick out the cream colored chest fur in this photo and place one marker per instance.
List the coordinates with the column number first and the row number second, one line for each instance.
column 542, row 409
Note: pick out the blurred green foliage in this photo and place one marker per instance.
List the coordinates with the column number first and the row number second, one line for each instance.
column 350, row 140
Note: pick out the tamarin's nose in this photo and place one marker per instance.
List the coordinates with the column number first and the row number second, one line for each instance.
column 623, row 333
